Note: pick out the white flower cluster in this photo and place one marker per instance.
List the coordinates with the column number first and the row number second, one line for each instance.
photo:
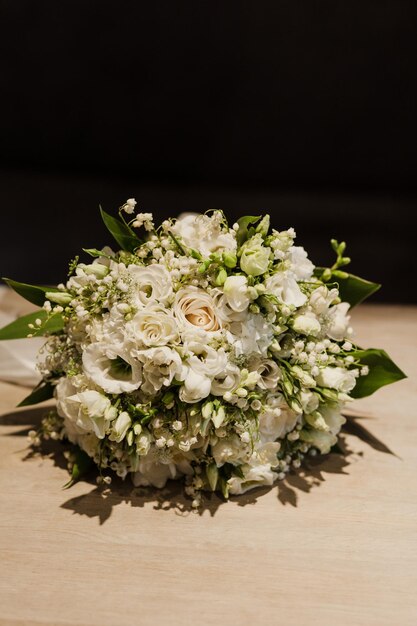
column 207, row 352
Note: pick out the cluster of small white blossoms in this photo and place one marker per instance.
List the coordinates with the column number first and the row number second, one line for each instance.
column 205, row 354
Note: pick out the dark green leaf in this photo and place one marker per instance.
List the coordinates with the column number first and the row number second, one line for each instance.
column 19, row 329
column 42, row 392
column 122, row 233
column 32, row 293
column 243, row 232
column 353, row 289
column 382, row 371
column 82, row 464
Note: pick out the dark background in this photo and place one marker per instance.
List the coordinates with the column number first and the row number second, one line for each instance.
column 303, row 109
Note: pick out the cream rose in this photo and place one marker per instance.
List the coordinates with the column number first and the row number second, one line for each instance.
column 153, row 326
column 195, row 307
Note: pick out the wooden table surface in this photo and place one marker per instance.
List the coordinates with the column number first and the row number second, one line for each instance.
column 334, row 545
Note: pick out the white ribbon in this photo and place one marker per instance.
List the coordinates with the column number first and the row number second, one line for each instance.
column 18, row 356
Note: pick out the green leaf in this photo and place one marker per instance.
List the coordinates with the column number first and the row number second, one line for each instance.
column 123, row 234
column 96, row 253
column 19, row 329
column 212, row 474
column 382, row 371
column 244, row 231
column 82, row 464
column 44, row 391
column 32, row 293
column 353, row 289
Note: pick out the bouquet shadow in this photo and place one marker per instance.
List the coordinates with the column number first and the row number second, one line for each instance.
column 100, row 501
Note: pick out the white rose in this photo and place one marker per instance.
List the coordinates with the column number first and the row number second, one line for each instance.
column 224, row 311
column 236, row 291
column 258, row 472
column 88, row 442
column 204, row 233
column 283, row 285
column 194, row 307
column 196, row 387
column 333, row 417
column 228, row 450
column 226, row 380
column 338, row 321
column 309, row 401
column 153, row 326
column 338, row 378
column 120, row 427
column 255, row 257
column 88, row 411
column 160, row 366
column 256, row 476
column 204, row 359
column 306, row 324
column 153, row 472
column 321, row 299
column 276, row 419
column 323, row 440
column 111, row 368
column 151, row 283
column 300, row 264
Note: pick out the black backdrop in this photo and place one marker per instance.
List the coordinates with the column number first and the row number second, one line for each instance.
column 306, row 109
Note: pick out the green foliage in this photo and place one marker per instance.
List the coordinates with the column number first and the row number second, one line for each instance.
column 246, row 229
column 32, row 293
column 44, row 391
column 382, row 371
column 19, row 329
column 96, row 253
column 122, row 233
column 354, row 289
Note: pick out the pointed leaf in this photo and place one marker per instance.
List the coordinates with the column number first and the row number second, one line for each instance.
column 122, row 233
column 96, row 253
column 244, row 224
column 19, row 329
column 354, row 289
column 382, row 371
column 32, row 293
column 41, row 393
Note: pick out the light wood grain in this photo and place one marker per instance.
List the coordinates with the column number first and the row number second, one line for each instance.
column 335, row 545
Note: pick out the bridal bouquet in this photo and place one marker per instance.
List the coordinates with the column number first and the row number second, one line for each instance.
column 199, row 351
